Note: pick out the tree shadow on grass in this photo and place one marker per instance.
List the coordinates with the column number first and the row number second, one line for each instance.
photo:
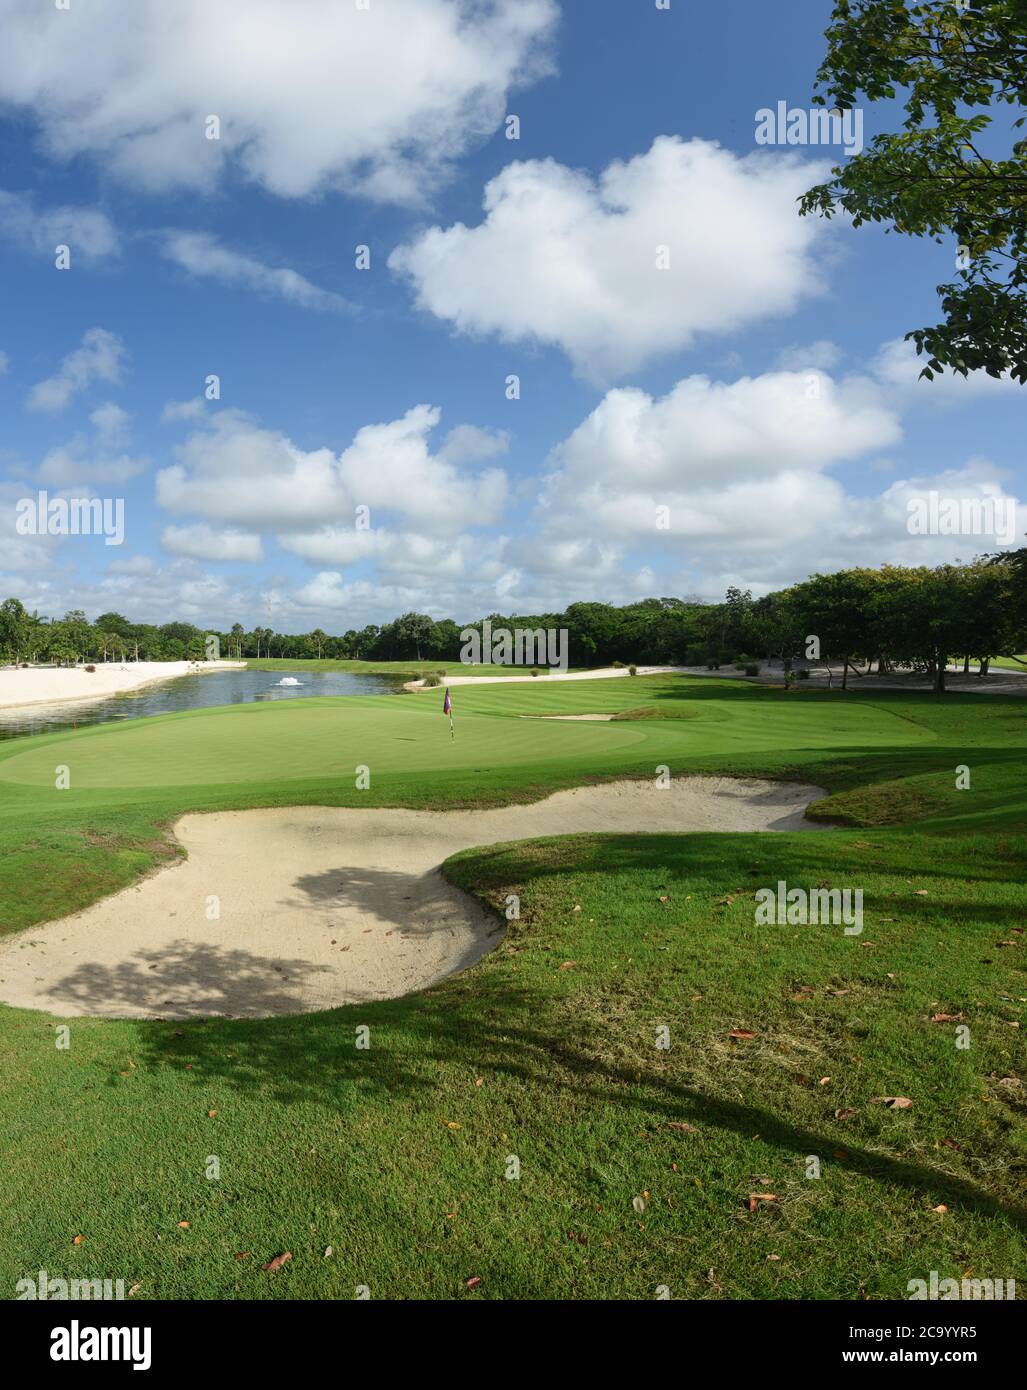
column 501, row 1031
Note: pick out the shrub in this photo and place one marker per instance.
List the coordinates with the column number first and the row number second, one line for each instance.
column 440, row 673
column 90, row 668
column 534, row 671
column 430, row 679
column 752, row 669
column 617, row 665
column 632, row 670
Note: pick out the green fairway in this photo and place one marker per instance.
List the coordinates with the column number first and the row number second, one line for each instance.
column 327, row 739
column 397, row 1157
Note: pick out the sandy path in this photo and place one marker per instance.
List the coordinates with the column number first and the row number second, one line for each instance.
column 599, row 674
column 47, row 685
column 321, row 906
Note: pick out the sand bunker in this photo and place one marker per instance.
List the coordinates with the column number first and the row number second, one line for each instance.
column 291, row 910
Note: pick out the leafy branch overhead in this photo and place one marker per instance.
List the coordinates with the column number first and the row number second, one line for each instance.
column 955, row 172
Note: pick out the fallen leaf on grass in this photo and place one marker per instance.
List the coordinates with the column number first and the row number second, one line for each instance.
column 329, row 1252
column 184, row 1225
column 568, row 965
column 893, row 1102
column 134, row 1289
column 946, row 1018
column 639, row 1204
column 941, row 1209
column 473, row 1282
column 277, row 1262
column 243, row 1254
column 211, row 1114
column 756, row 1197
column 741, row 1033
column 846, row 1114
column 680, row 1125
column 951, row 1144
column 78, row 1240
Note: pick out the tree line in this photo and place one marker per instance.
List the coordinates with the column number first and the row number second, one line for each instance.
column 897, row 617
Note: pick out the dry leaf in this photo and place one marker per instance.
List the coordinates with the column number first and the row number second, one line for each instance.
column 946, row 1018
column 846, row 1114
column 329, row 1252
column 211, row 1114
column 893, row 1102
column 184, row 1225
column 639, row 1204
column 941, row 1210
column 757, row 1197
column 741, row 1033
column 278, row 1261
column 682, row 1127
column 134, row 1289
column 568, row 965
column 473, row 1282
column 78, row 1240
column 951, row 1144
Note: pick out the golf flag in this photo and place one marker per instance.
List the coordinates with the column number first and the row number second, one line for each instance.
column 447, row 708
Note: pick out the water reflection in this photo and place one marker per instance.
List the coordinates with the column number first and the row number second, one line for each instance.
column 193, row 692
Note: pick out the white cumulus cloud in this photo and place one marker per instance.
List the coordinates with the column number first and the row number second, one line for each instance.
column 685, row 239
column 310, row 94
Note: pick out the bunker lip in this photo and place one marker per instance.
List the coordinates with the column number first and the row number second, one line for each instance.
column 295, row 909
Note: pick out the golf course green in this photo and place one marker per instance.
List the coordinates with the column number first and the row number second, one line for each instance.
column 526, row 1129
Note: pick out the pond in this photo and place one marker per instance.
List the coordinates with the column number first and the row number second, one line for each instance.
column 194, row 692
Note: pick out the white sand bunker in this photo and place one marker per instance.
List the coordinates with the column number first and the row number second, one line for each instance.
column 296, row 909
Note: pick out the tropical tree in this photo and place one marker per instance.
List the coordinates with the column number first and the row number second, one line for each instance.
column 948, row 174
column 16, row 628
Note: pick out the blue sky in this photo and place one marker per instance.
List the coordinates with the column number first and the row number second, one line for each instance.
column 743, row 414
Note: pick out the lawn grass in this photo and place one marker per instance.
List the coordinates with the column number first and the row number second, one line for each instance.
column 546, row 1051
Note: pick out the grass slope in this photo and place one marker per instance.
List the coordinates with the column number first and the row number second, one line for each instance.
column 396, row 1156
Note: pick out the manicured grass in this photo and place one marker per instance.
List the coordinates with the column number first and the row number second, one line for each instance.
column 546, row 1050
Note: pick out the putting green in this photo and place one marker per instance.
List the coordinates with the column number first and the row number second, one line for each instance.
column 329, row 739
